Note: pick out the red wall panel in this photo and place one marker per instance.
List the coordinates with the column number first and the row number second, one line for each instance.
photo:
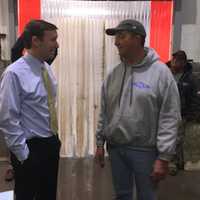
column 161, row 27
column 27, row 10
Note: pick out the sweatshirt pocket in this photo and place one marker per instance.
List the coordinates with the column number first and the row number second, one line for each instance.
column 125, row 130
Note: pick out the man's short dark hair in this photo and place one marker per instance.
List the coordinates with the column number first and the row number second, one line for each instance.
column 36, row 28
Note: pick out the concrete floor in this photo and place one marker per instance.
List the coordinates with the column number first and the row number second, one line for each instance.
column 81, row 179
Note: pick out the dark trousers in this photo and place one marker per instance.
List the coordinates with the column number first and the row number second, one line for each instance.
column 36, row 178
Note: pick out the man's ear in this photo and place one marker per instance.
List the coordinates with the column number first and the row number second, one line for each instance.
column 36, row 42
column 138, row 37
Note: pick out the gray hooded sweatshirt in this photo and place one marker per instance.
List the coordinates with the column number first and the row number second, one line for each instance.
column 140, row 107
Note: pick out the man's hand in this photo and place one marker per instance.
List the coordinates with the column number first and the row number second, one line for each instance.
column 99, row 156
column 160, row 170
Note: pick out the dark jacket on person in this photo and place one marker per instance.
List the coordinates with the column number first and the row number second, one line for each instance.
column 189, row 88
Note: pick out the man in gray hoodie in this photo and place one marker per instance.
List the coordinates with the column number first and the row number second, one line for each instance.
column 139, row 117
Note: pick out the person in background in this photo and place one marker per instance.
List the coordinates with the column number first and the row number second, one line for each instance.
column 17, row 51
column 190, row 101
column 139, row 116
column 28, row 117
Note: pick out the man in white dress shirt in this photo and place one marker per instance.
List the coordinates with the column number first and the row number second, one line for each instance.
column 26, row 115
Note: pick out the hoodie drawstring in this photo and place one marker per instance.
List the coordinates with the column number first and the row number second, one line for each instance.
column 131, row 95
column 122, row 85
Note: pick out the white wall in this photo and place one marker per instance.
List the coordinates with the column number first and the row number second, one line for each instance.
column 7, row 26
column 187, row 28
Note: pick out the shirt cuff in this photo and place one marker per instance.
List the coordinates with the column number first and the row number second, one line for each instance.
column 166, row 157
column 22, row 154
column 100, row 143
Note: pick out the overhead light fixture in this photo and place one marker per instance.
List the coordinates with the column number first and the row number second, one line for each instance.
column 86, row 12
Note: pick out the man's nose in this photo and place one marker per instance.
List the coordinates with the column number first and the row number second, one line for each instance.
column 116, row 42
column 57, row 45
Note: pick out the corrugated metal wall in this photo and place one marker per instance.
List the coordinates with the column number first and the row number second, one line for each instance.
column 4, row 28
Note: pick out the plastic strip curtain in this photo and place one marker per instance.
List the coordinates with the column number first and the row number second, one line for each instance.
column 86, row 55
column 4, row 28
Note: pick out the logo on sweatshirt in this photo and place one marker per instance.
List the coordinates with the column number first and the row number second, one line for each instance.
column 141, row 85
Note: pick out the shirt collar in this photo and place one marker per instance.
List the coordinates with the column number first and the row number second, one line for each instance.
column 33, row 61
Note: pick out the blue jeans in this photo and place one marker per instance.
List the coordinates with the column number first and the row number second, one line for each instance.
column 129, row 166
